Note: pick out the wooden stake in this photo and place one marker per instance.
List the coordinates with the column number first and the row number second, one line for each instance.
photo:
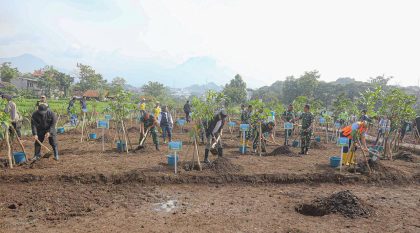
column 128, row 136
column 19, row 141
column 260, row 136
column 125, row 136
column 9, row 151
column 196, row 152
column 83, row 126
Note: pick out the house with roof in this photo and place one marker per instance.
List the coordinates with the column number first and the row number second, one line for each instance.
column 28, row 84
column 95, row 94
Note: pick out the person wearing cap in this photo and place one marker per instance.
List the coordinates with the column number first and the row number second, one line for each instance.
column 42, row 100
column 266, row 130
column 149, row 124
column 142, row 107
column 43, row 126
column 288, row 116
column 187, row 111
column 157, row 109
column 11, row 109
column 306, row 132
column 213, row 134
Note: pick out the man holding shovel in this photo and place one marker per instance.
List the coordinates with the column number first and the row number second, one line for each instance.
column 149, row 127
column 43, row 126
column 213, row 134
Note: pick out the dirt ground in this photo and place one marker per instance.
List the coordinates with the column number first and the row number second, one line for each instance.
column 90, row 190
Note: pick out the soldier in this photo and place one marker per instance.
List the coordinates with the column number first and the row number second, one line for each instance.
column 149, row 123
column 266, row 130
column 288, row 116
column 306, row 132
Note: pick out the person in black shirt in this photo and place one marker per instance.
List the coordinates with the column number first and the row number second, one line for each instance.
column 43, row 126
column 187, row 111
column 213, row 134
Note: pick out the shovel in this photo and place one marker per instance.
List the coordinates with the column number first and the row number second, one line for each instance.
column 141, row 145
column 49, row 153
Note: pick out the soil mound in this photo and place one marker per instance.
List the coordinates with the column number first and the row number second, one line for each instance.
column 407, row 156
column 318, row 145
column 107, row 138
column 281, row 150
column 344, row 202
column 133, row 130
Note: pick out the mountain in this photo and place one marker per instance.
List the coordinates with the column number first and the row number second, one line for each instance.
column 137, row 72
column 25, row 62
column 201, row 89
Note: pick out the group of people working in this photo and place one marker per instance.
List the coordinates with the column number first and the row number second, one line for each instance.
column 43, row 124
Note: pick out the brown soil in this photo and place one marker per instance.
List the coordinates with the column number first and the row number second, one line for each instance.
column 318, row 145
column 344, row 202
column 407, row 156
column 281, row 150
column 89, row 190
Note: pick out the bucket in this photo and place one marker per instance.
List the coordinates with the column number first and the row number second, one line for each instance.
column 60, row 130
column 242, row 149
column 19, row 157
column 318, row 138
column 92, row 136
column 171, row 159
column 334, row 161
column 121, row 146
column 295, row 143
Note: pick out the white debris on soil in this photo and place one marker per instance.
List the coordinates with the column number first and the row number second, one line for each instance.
column 167, row 206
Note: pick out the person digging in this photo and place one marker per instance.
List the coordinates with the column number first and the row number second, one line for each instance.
column 305, row 135
column 213, row 134
column 354, row 132
column 43, row 126
column 266, row 130
column 149, row 127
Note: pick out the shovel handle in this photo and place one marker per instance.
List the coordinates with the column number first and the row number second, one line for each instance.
column 48, row 149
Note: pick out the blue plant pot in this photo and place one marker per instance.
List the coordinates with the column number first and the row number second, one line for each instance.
column 19, row 157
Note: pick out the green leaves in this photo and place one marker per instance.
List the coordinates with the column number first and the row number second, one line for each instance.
column 205, row 109
column 122, row 105
column 398, row 106
column 235, row 91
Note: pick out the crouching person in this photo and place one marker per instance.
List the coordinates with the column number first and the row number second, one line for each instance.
column 213, row 134
column 266, row 129
column 149, row 127
column 43, row 126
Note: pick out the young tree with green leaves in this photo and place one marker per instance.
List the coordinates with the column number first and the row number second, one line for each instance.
column 235, row 91
column 7, row 73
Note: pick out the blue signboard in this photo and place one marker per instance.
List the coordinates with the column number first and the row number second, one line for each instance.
column 288, row 125
column 343, row 141
column 244, row 127
column 175, row 146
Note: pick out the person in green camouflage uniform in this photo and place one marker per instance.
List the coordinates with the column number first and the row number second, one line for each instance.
column 150, row 122
column 306, row 132
column 266, row 130
column 288, row 116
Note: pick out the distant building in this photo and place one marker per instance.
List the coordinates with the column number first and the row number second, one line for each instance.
column 95, row 94
column 180, row 93
column 28, row 84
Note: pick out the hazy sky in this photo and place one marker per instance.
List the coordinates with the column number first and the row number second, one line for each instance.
column 262, row 40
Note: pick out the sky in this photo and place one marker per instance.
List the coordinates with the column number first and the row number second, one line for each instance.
column 264, row 40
